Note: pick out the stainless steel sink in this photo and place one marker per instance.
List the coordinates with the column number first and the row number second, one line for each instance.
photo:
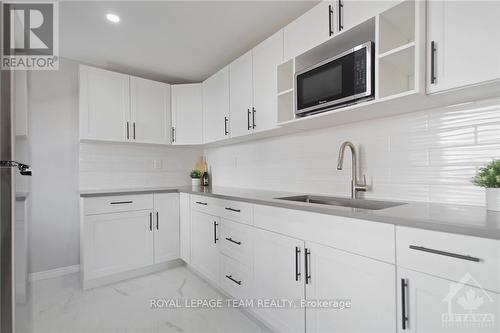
column 344, row 202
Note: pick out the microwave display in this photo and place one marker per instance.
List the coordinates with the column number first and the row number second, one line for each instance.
column 337, row 81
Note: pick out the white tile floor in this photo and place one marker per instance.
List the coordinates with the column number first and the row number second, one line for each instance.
column 60, row 305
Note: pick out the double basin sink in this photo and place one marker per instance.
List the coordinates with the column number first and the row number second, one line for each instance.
column 344, row 202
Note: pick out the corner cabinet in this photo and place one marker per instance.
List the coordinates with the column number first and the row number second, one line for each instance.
column 187, row 114
column 216, row 106
column 127, row 235
column 119, row 108
column 462, row 43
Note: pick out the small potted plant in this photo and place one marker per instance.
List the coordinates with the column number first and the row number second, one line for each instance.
column 196, row 178
column 489, row 178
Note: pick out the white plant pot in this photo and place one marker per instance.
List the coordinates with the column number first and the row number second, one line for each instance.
column 493, row 199
column 195, row 181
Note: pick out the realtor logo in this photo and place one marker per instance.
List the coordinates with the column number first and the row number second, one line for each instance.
column 469, row 305
column 30, row 35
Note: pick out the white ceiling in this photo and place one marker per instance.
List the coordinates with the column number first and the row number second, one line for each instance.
column 170, row 41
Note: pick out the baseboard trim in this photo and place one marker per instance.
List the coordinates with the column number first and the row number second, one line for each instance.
column 51, row 273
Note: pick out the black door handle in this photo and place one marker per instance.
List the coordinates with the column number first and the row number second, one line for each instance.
column 215, row 232
column 120, row 202
column 297, row 263
column 330, row 14
column 157, row 219
column 133, row 127
column 308, row 263
column 225, row 126
column 404, row 316
column 248, row 120
column 233, row 241
column 433, row 62
column 150, row 221
column 341, row 9
column 128, row 130
column 201, row 203
column 230, row 277
column 253, row 117
column 233, row 210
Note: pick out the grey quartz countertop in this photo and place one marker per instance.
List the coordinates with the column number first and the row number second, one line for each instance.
column 458, row 219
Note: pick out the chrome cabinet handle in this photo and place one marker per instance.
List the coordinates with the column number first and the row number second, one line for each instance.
column 233, row 241
column 444, row 253
column 230, row 277
column 404, row 316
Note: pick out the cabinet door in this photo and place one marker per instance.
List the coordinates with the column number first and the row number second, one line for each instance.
column 266, row 57
column 276, row 264
column 117, row 242
column 150, row 111
column 241, row 95
column 187, row 114
column 216, row 106
column 185, row 227
column 204, row 244
column 367, row 284
column 166, row 228
column 310, row 29
column 104, row 105
column 433, row 304
column 465, row 35
column 354, row 12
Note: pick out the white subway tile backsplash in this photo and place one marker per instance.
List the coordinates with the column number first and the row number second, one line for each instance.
column 124, row 166
column 424, row 156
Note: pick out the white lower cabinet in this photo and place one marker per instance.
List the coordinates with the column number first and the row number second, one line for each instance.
column 166, row 227
column 365, row 284
column 204, row 244
column 278, row 275
column 431, row 304
column 117, row 242
column 127, row 235
column 185, row 227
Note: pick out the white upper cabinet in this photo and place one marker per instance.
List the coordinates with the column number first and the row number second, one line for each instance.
column 241, row 95
column 266, row 57
column 216, row 106
column 104, row 105
column 187, row 114
column 150, row 111
column 353, row 12
column 465, row 37
column 310, row 29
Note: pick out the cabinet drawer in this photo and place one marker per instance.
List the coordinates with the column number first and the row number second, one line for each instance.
column 449, row 256
column 205, row 204
column 237, row 211
column 117, row 203
column 235, row 278
column 237, row 241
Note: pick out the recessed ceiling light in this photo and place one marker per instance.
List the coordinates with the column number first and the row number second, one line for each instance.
column 113, row 18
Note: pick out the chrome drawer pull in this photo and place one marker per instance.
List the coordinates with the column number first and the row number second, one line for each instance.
column 233, row 241
column 444, row 253
column 233, row 210
column 120, row 202
column 230, row 277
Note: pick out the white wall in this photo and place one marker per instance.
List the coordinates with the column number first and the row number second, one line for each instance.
column 53, row 107
column 426, row 156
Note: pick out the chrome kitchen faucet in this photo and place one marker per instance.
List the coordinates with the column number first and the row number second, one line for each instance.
column 356, row 184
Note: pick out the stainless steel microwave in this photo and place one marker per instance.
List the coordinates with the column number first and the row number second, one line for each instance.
column 344, row 79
